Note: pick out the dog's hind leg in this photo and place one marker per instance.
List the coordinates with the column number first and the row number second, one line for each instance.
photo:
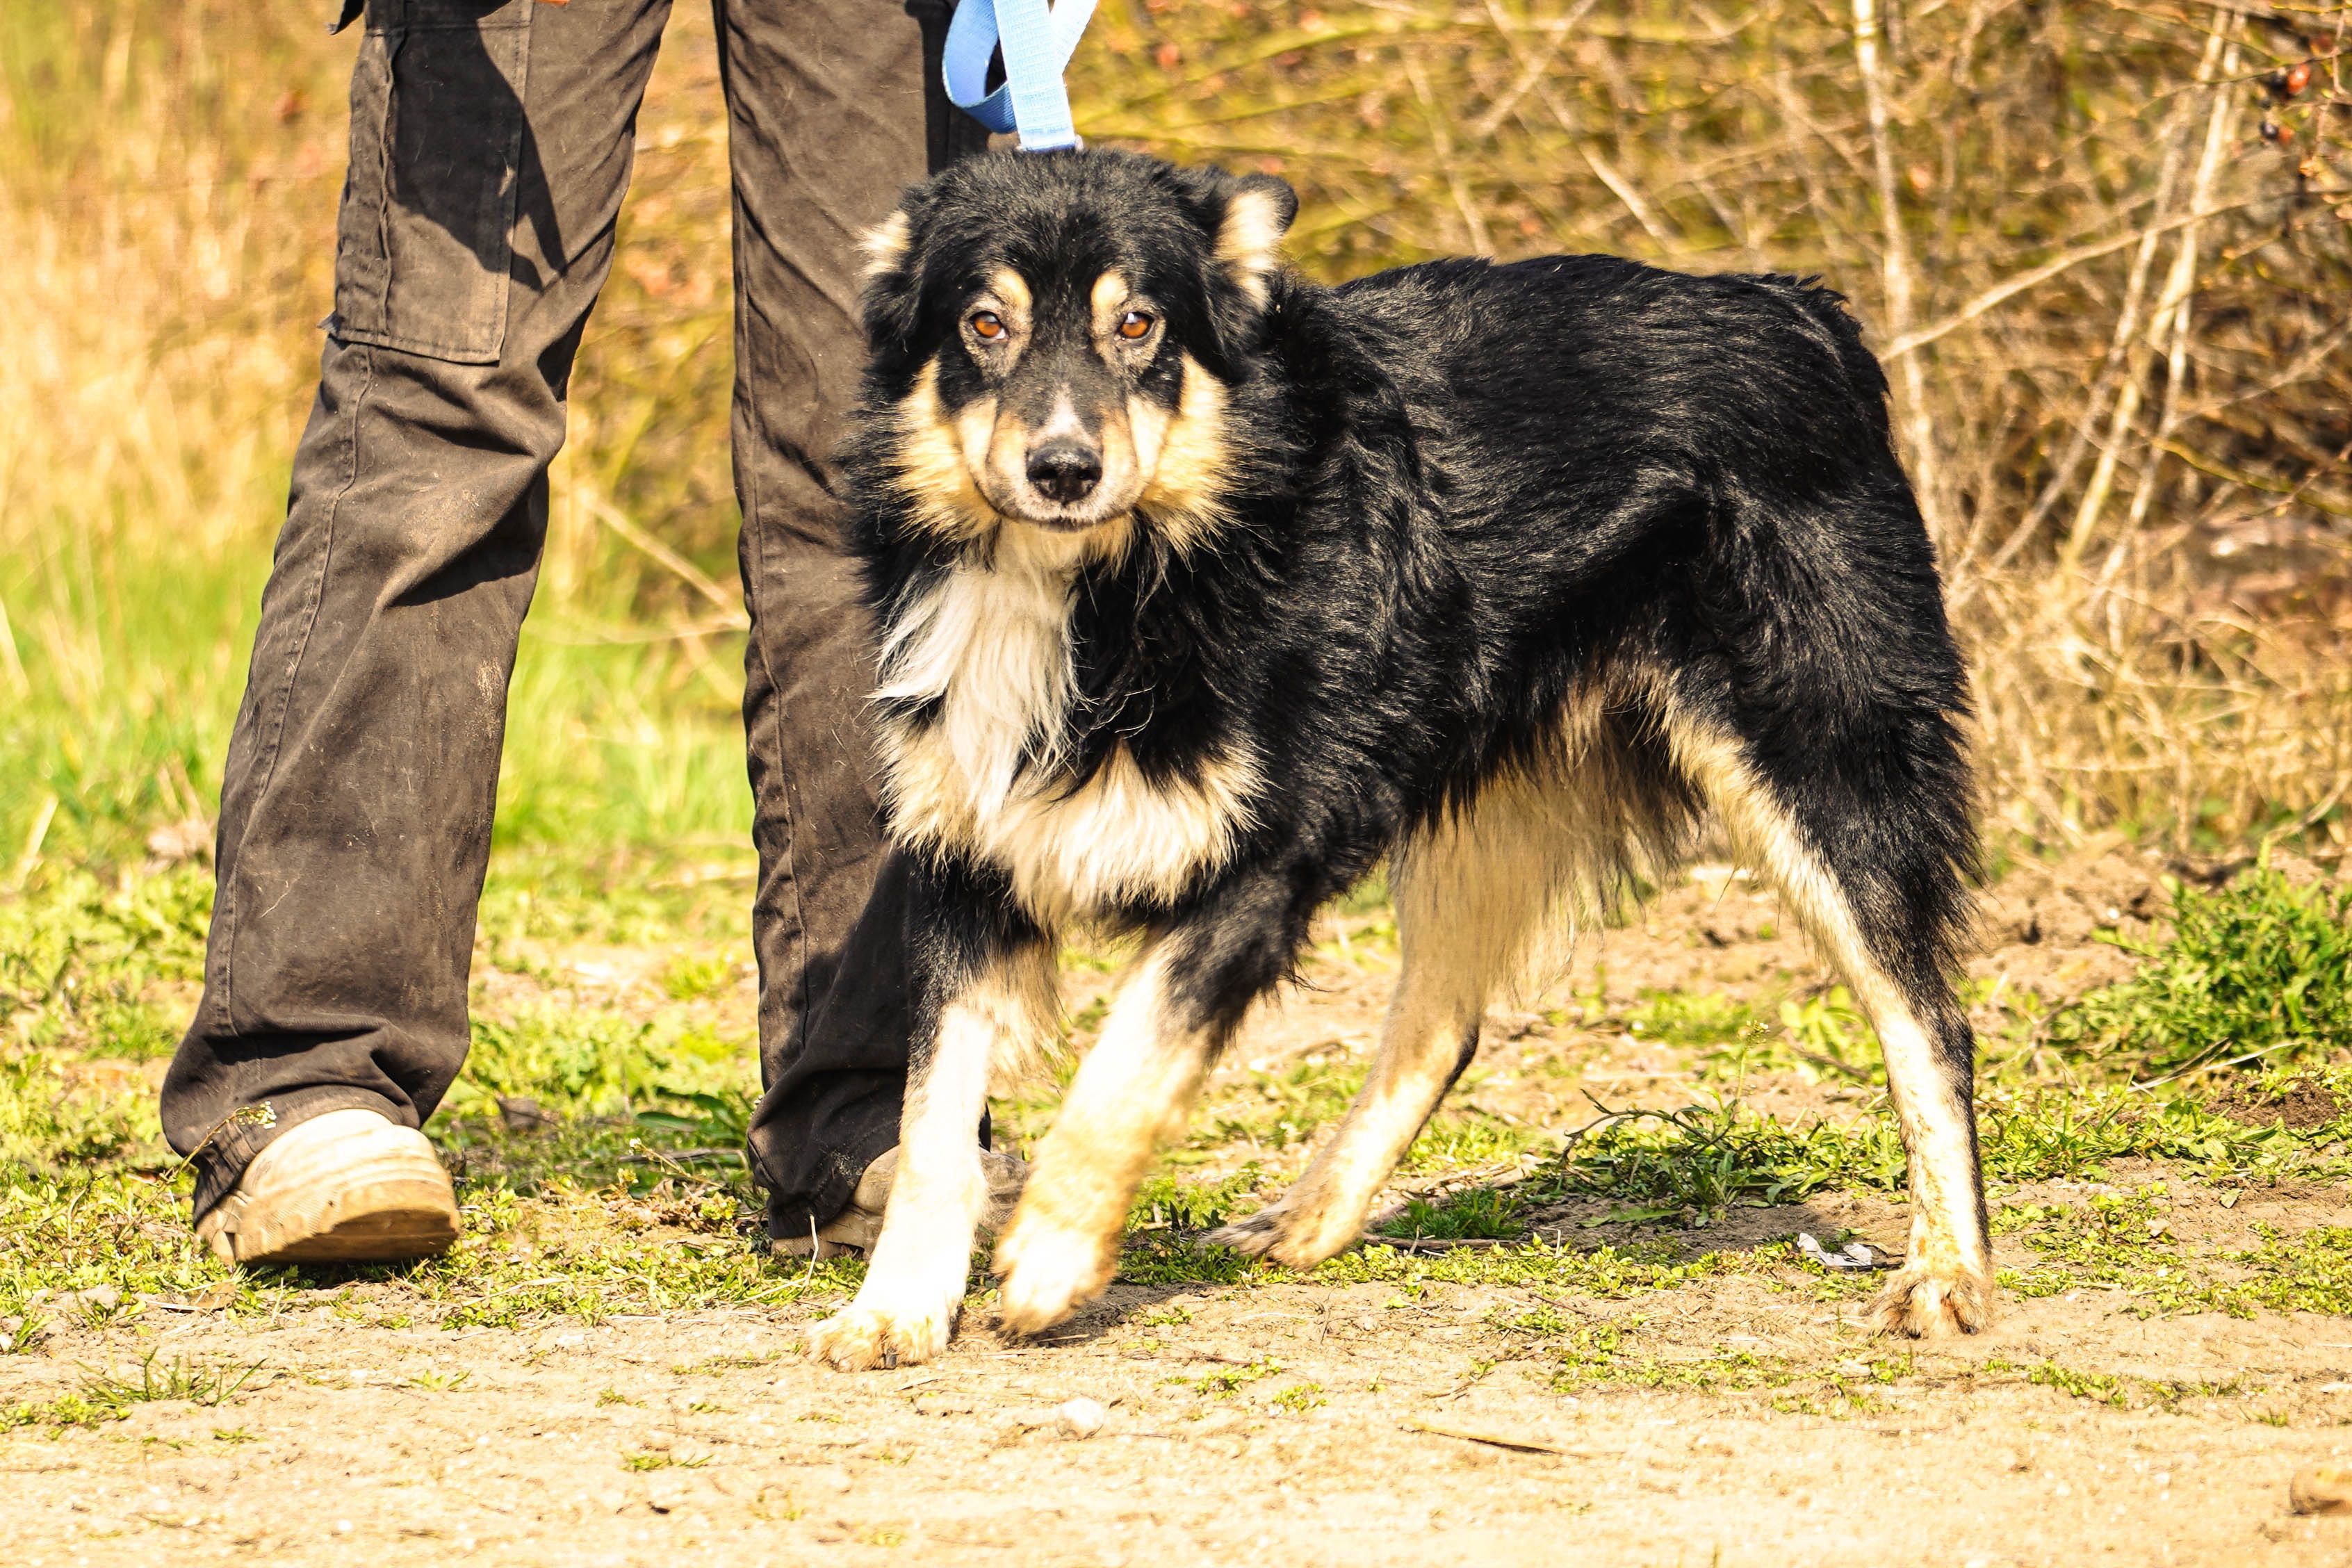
column 1863, row 832
column 995, row 1004
column 1471, row 895
column 1132, row 1094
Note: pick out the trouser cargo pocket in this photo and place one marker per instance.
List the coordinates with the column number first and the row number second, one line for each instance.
column 423, row 245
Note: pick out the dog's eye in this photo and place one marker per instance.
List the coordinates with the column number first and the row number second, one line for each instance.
column 987, row 325
column 1133, row 325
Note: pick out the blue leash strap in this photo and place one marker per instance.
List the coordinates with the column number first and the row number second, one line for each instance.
column 1037, row 45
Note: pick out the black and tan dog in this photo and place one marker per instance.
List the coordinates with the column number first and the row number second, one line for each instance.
column 1203, row 588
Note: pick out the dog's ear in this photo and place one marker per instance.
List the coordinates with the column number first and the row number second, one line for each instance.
column 1258, row 210
column 893, row 295
column 885, row 243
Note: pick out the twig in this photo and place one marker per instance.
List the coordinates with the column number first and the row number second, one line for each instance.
column 2221, row 470
column 12, row 659
column 1532, row 64
column 1442, row 144
column 2233, row 1062
column 262, row 1115
column 2127, row 399
column 1517, row 1442
column 731, row 604
column 2175, row 309
column 34, row 839
column 1607, row 173
column 1894, row 265
column 1432, row 1243
column 2002, row 293
column 2078, row 444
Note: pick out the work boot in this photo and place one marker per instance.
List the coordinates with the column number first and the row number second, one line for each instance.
column 345, row 1187
column 856, row 1228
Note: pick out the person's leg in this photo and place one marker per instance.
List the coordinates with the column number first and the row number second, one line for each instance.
column 491, row 142
column 834, row 106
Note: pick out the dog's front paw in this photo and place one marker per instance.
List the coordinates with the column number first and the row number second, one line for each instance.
column 1286, row 1234
column 860, row 1337
column 1049, row 1272
column 1255, row 1235
column 1921, row 1301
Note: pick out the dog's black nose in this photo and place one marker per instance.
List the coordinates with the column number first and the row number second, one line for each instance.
column 1065, row 472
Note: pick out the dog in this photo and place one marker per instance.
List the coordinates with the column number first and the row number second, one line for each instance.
column 1200, row 590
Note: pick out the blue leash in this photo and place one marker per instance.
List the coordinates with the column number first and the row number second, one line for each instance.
column 1037, row 44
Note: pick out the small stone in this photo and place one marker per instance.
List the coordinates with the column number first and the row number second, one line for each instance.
column 944, row 1404
column 2321, row 1489
column 521, row 1113
column 191, row 839
column 96, row 1301
column 1080, row 1417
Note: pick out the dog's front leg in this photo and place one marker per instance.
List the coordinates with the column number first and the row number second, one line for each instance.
column 1133, row 1094
column 990, row 992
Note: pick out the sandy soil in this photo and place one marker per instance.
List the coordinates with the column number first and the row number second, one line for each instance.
column 1286, row 1424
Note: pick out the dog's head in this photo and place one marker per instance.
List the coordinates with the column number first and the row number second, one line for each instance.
column 1053, row 337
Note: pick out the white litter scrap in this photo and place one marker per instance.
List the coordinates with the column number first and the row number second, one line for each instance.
column 1080, row 1417
column 1855, row 1254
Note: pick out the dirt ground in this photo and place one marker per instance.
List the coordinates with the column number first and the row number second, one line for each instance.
column 1417, row 1422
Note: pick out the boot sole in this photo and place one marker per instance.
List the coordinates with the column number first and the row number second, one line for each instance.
column 376, row 1223
column 383, row 1208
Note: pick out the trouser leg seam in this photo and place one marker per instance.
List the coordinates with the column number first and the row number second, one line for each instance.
column 266, row 761
column 748, row 478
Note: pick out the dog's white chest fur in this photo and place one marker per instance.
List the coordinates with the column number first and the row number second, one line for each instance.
column 993, row 644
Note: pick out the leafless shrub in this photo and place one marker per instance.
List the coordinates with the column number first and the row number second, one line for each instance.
column 2104, row 247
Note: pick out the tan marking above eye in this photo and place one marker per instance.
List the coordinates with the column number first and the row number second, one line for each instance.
column 1109, row 292
column 1012, row 288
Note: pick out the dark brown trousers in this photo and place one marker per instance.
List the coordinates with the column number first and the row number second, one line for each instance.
column 491, row 143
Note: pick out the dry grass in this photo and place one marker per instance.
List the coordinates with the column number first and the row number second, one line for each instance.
column 2115, row 311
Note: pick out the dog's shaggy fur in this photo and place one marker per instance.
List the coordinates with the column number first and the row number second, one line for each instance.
column 1201, row 588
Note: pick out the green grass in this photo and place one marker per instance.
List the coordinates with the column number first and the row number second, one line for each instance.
column 105, row 1396
column 2123, row 1243
column 642, row 1461
column 2125, row 1393
column 631, row 1198
column 1282, row 1108
column 1815, row 1037
column 2257, row 973
column 126, row 727
column 1698, row 1161
column 2259, row 970
column 1485, row 1213
column 1583, row 1354
column 1164, row 1202
column 1226, row 1382
column 598, row 1062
